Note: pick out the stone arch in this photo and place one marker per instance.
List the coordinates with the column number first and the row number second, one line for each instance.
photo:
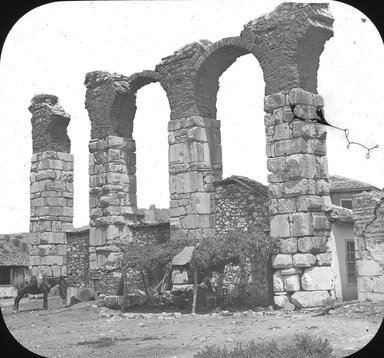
column 111, row 105
column 216, row 60
column 111, row 101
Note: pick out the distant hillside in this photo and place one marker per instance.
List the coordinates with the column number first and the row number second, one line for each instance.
column 14, row 243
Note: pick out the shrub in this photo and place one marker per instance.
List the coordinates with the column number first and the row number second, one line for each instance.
column 303, row 346
column 16, row 242
column 24, row 247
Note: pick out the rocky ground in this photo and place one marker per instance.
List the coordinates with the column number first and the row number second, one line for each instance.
column 85, row 330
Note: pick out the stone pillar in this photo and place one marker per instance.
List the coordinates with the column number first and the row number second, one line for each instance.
column 112, row 165
column 194, row 164
column 51, row 186
column 112, row 195
column 368, row 216
column 299, row 198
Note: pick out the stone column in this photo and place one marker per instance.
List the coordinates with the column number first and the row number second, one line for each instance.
column 51, row 186
column 112, row 165
column 299, row 198
column 194, row 164
column 112, row 195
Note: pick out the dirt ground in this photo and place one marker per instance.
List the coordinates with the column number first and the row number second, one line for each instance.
column 80, row 330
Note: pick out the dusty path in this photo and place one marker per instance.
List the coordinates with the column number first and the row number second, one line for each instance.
column 79, row 331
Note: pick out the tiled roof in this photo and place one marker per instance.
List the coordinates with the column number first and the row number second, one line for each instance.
column 251, row 184
column 184, row 256
column 14, row 259
column 340, row 183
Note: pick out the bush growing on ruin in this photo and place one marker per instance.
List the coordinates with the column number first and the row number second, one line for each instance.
column 16, row 242
column 235, row 247
column 150, row 257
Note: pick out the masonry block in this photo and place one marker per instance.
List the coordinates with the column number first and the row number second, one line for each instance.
column 281, row 261
column 53, row 238
column 276, row 165
column 280, row 300
column 303, row 260
column 320, row 222
column 368, row 268
column 291, row 283
column 203, row 203
column 97, row 236
column 300, row 96
column 290, row 146
column 306, row 299
column 288, row 246
column 278, row 283
column 286, row 206
column 274, row 101
column 296, row 187
column 311, row 203
column 280, row 226
column 301, row 224
column 282, row 131
column 312, row 244
column 324, row 259
column 318, row 278
column 291, row 271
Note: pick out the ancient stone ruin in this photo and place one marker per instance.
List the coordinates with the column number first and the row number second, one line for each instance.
column 51, row 187
column 287, row 44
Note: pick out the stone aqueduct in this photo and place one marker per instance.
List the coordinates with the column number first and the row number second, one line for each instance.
column 287, row 43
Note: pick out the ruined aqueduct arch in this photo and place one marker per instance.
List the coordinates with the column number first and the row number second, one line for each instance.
column 287, row 44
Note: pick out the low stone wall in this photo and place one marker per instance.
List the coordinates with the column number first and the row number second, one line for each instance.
column 368, row 214
column 106, row 279
column 77, row 259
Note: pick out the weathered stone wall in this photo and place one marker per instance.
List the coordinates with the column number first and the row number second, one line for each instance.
column 368, row 215
column 51, row 187
column 106, row 278
column 77, row 259
column 244, row 207
column 299, row 198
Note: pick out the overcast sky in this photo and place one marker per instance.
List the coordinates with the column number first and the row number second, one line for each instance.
column 51, row 48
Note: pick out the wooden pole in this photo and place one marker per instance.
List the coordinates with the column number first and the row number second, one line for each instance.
column 194, row 290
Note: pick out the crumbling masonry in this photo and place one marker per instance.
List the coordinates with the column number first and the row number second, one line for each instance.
column 287, row 43
column 51, row 186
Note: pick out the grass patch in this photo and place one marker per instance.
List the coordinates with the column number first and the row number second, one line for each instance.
column 302, row 346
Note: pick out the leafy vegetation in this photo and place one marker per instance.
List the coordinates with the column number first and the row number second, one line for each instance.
column 235, row 247
column 302, row 346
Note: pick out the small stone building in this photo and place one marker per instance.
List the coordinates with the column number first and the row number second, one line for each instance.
column 13, row 268
column 242, row 205
column 368, row 215
column 342, row 190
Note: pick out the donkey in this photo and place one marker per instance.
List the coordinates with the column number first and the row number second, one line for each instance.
column 38, row 284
